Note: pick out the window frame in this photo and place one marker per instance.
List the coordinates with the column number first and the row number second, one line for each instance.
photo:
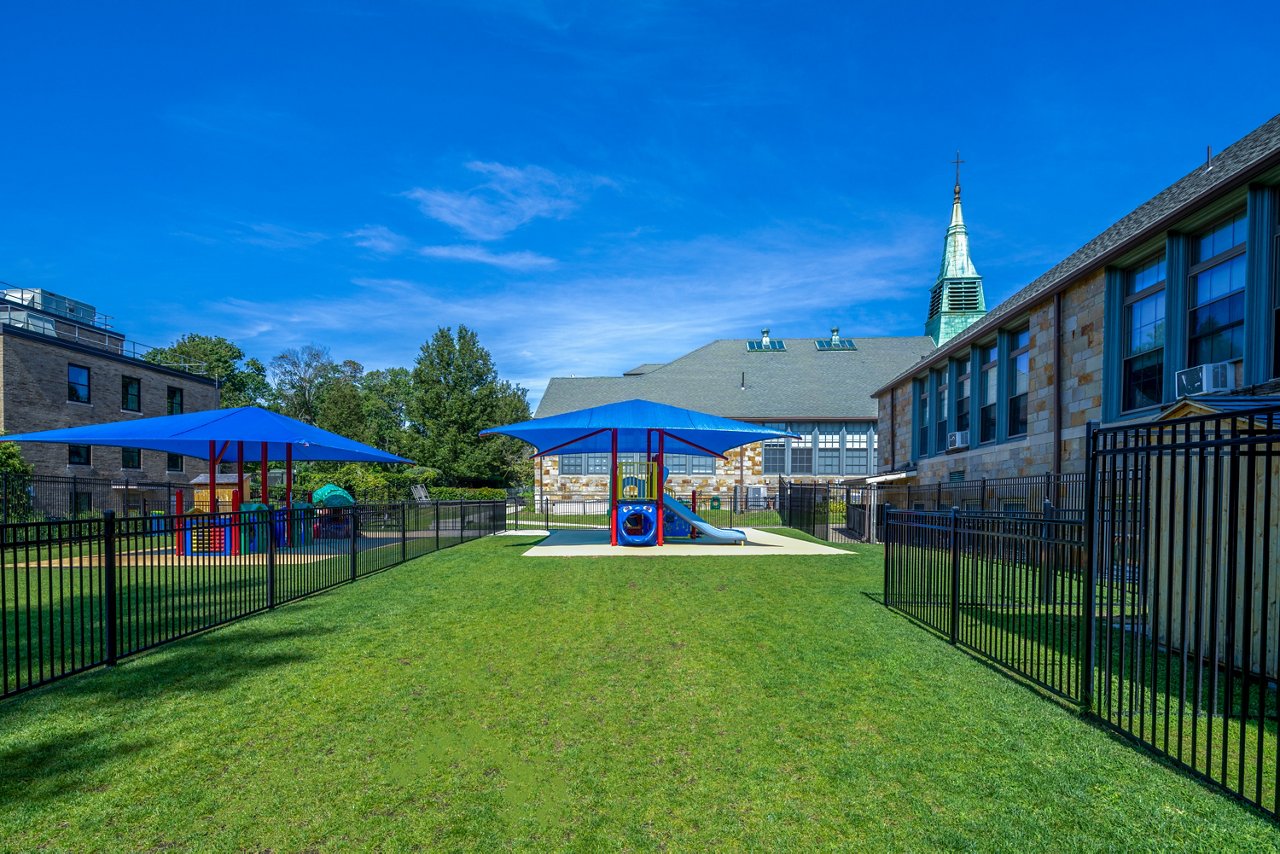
column 125, row 387
column 71, row 384
column 1127, row 303
column 72, row 459
column 985, row 365
column 1198, row 266
column 1012, row 394
column 962, row 374
column 169, row 463
column 174, row 393
column 124, row 459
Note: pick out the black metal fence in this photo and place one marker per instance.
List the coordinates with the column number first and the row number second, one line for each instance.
column 81, row 593
column 845, row 512
column 1187, row 550
column 1156, row 606
column 1010, row 588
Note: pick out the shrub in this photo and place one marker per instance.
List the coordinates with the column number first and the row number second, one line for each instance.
column 464, row 493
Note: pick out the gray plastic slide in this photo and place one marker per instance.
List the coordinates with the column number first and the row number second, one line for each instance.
column 709, row 532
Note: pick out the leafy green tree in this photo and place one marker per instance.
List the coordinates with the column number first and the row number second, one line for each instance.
column 241, row 381
column 15, row 480
column 299, row 376
column 456, row 394
column 385, row 397
column 340, row 404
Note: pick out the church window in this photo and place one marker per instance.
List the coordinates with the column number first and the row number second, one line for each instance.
column 989, row 388
column 829, row 448
column 802, row 449
column 962, row 394
column 922, row 417
column 940, row 412
column 1216, row 293
column 1019, row 380
column 1144, row 327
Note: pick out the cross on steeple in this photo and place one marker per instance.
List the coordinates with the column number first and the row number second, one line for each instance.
column 957, row 162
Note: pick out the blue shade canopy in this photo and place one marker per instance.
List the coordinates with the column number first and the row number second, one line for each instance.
column 191, row 433
column 589, row 431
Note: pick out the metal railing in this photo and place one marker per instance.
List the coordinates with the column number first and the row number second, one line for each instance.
column 82, row 593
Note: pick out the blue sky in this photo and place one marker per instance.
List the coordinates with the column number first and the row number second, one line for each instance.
column 590, row 186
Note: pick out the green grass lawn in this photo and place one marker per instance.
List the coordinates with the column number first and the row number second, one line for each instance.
column 476, row 699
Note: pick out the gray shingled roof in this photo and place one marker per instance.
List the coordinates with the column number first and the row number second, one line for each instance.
column 797, row 384
column 1255, row 153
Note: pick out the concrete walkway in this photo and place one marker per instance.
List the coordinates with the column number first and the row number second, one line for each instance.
column 596, row 544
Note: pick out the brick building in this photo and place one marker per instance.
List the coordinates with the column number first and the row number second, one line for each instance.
column 1180, row 297
column 62, row 366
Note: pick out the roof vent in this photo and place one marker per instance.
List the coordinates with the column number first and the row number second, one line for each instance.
column 766, row 344
column 835, row 342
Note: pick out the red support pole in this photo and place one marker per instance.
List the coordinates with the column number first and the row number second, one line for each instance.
column 266, row 497
column 213, row 477
column 179, row 528
column 288, row 495
column 613, row 488
column 233, row 530
column 662, row 486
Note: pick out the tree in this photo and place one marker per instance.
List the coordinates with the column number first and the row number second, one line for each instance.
column 15, row 484
column 456, row 394
column 241, row 381
column 300, row 375
column 339, row 403
column 385, row 397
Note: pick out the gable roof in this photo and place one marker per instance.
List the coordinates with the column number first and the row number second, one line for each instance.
column 795, row 384
column 1243, row 160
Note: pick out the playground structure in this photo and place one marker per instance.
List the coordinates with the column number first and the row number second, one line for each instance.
column 248, row 528
column 639, row 507
column 644, row 514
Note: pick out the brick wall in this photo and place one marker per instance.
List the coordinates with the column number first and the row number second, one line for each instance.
column 1081, row 393
column 33, row 397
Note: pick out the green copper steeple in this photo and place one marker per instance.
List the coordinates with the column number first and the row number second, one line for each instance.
column 956, row 300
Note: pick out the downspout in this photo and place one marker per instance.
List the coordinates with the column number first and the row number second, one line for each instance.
column 893, row 429
column 1057, row 382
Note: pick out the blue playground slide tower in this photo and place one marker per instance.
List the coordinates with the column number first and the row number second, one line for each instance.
column 635, row 514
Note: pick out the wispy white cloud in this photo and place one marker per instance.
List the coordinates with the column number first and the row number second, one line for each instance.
column 279, row 236
column 509, row 198
column 480, row 255
column 379, row 239
column 668, row 299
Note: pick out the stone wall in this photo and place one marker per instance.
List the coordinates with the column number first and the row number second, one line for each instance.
column 33, row 397
column 1081, row 395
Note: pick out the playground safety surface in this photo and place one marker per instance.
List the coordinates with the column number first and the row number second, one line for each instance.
column 595, row 543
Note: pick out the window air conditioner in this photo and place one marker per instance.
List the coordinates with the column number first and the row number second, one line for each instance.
column 1206, row 379
column 958, row 440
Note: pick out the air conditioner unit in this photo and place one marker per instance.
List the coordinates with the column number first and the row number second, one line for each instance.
column 958, row 441
column 1206, row 379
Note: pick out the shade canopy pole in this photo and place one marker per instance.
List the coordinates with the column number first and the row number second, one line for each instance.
column 240, row 470
column 213, row 477
column 662, row 486
column 288, row 494
column 613, row 488
column 263, row 486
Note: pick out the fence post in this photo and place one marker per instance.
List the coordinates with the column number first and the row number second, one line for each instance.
column 888, row 550
column 271, row 556
column 437, row 524
column 1047, row 570
column 1091, row 568
column 982, row 499
column 109, row 583
column 955, row 577
column 404, row 532
column 352, row 530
